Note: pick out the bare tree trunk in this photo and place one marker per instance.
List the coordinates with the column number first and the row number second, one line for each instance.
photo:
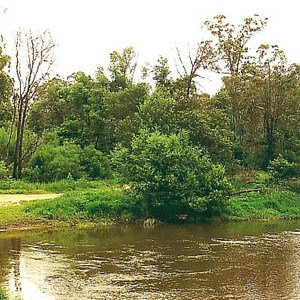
column 18, row 147
column 33, row 61
column 203, row 60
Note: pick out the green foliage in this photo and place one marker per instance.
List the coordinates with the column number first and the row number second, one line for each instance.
column 11, row 186
column 3, row 170
column 253, row 119
column 122, row 68
column 272, row 205
column 54, row 162
column 96, row 205
column 172, row 177
column 3, row 295
column 49, row 110
column 158, row 113
column 94, row 163
column 4, row 137
column 280, row 168
column 120, row 114
column 207, row 126
column 5, row 90
column 51, row 163
column 161, row 72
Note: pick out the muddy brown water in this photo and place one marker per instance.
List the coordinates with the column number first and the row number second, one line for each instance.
column 211, row 261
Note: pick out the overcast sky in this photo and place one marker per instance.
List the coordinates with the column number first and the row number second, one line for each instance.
column 87, row 31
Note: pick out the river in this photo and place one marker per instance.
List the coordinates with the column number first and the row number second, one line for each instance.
column 211, row 261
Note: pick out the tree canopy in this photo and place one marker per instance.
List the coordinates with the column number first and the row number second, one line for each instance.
column 52, row 127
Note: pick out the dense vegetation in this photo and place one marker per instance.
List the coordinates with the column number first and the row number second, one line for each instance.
column 2, row 295
column 180, row 153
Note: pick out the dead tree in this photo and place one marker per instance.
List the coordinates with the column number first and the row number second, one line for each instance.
column 33, row 61
column 203, row 60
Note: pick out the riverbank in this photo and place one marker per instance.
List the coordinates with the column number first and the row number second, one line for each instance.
column 99, row 204
column 272, row 205
column 66, row 203
column 16, row 197
column 96, row 209
column 17, row 218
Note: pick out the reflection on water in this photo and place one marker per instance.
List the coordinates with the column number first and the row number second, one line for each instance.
column 220, row 261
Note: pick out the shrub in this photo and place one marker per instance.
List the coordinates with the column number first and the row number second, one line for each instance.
column 3, row 170
column 172, row 177
column 280, row 168
column 51, row 163
column 94, row 163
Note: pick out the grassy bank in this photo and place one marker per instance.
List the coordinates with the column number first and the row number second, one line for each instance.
column 117, row 206
column 86, row 204
column 78, row 205
column 75, row 207
column 272, row 205
column 62, row 186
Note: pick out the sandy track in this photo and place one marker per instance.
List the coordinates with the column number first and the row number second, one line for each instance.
column 18, row 199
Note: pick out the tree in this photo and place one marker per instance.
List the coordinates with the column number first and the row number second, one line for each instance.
column 122, row 68
column 32, row 64
column 49, row 109
column 159, row 112
column 172, row 177
column 5, row 89
column 231, row 45
column 234, row 57
column 208, row 126
column 120, row 114
column 273, row 71
column 161, row 72
column 260, row 87
column 53, row 162
column 5, row 103
column 203, row 59
column 95, row 164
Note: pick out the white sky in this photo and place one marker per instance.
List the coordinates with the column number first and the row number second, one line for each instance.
column 87, row 31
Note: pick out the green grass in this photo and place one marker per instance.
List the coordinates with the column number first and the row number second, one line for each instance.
column 115, row 205
column 85, row 202
column 14, row 214
column 3, row 296
column 91, row 205
column 270, row 206
column 22, row 187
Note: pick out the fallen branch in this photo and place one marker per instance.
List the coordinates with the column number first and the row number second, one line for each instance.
column 257, row 190
column 251, row 182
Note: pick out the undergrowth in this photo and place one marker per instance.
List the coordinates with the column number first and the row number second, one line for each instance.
column 3, row 296
column 272, row 205
column 91, row 205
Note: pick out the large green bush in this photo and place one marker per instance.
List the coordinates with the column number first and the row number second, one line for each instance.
column 172, row 177
column 52, row 162
column 94, row 163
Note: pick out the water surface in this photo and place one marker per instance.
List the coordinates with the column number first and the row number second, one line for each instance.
column 219, row 261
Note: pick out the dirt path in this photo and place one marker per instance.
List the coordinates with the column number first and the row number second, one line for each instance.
column 18, row 199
